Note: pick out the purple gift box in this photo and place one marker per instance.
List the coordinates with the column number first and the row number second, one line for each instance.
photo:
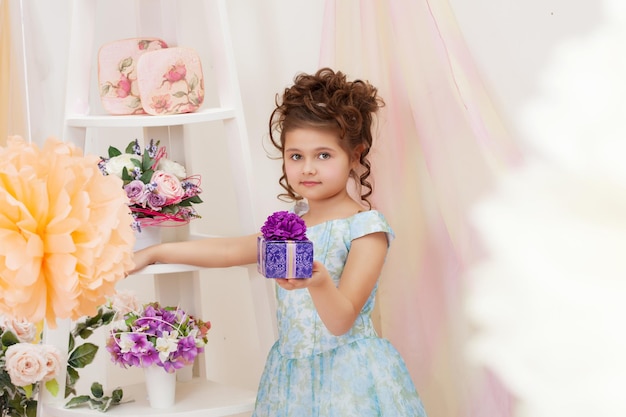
column 285, row 258
column 284, row 250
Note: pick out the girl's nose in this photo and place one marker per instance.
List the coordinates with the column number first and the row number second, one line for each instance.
column 308, row 168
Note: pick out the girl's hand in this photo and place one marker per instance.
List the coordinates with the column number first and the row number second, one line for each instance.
column 320, row 276
column 141, row 258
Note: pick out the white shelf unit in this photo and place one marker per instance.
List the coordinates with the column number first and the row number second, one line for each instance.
column 197, row 398
column 174, row 284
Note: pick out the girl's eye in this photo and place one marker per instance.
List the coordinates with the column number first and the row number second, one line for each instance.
column 295, row 157
column 324, row 155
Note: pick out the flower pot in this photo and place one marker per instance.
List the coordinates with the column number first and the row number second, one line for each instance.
column 149, row 235
column 160, row 387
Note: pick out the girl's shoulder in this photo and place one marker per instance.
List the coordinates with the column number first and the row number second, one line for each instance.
column 357, row 225
column 369, row 221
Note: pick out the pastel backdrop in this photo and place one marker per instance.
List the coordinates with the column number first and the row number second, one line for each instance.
column 466, row 84
column 442, row 144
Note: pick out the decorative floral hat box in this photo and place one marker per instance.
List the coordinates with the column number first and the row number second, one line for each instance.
column 170, row 81
column 283, row 250
column 117, row 73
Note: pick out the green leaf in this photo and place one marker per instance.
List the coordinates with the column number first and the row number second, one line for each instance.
column 125, row 63
column 129, row 147
column 146, row 176
column 195, row 199
column 146, row 162
column 194, row 82
column 125, row 175
column 28, row 389
column 31, row 408
column 107, row 318
column 114, row 152
column 94, row 320
column 117, row 395
column 78, row 400
column 96, row 390
column 101, row 405
column 85, row 333
column 71, row 343
column 8, row 339
column 53, row 387
column 71, row 377
column 83, row 355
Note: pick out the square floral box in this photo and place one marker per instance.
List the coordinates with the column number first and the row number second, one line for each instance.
column 117, row 73
column 170, row 81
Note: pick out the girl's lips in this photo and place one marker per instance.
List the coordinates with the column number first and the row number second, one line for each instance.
column 309, row 183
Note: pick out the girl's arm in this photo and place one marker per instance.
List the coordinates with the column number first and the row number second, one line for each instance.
column 209, row 253
column 338, row 307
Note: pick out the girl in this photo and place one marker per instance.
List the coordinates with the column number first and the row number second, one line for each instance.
column 328, row 360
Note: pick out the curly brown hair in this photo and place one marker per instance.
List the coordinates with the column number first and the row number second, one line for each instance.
column 327, row 100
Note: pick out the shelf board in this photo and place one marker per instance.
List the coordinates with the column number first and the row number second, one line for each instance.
column 197, row 398
column 145, row 120
column 157, row 269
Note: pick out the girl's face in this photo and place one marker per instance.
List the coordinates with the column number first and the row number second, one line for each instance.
column 316, row 166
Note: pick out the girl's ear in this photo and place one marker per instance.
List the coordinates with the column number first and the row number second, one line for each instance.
column 356, row 154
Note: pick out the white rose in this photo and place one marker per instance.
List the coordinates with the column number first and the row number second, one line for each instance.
column 54, row 361
column 115, row 166
column 124, row 302
column 25, row 363
column 21, row 328
column 173, row 168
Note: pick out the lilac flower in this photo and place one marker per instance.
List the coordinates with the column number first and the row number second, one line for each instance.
column 187, row 349
column 156, row 201
column 152, row 149
column 135, row 192
column 284, row 225
column 165, row 336
column 135, row 173
column 136, row 149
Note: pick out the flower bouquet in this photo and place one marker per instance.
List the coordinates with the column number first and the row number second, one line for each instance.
column 163, row 336
column 158, row 188
column 23, row 365
column 283, row 249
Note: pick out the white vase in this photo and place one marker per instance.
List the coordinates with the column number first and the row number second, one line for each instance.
column 149, row 235
column 160, row 387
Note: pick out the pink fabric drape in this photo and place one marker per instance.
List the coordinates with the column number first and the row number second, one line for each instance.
column 441, row 146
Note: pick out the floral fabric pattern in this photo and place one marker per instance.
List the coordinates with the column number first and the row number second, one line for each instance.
column 310, row 372
column 170, row 81
column 117, row 73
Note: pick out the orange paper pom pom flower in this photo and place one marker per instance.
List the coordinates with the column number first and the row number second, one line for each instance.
column 65, row 232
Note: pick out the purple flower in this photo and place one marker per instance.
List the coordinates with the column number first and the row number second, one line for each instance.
column 284, row 225
column 140, row 340
column 135, row 192
column 187, row 349
column 136, row 149
column 156, row 201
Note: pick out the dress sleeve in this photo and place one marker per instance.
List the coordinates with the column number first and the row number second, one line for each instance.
column 368, row 222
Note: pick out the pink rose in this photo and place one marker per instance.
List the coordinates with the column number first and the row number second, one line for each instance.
column 176, row 73
column 168, row 186
column 24, row 330
column 161, row 103
column 54, row 361
column 25, row 364
column 123, row 87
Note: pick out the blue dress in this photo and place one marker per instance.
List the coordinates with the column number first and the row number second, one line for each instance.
column 311, row 373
